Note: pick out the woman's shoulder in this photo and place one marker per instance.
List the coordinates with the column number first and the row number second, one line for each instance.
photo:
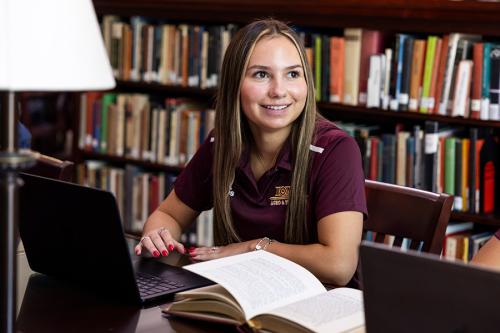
column 327, row 134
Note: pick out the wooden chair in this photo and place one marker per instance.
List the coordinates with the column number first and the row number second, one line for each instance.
column 51, row 167
column 405, row 212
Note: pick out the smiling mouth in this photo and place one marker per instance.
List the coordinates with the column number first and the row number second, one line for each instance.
column 276, row 107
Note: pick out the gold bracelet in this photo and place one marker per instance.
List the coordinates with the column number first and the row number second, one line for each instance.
column 259, row 245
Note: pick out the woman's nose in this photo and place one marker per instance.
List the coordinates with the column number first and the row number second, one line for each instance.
column 277, row 88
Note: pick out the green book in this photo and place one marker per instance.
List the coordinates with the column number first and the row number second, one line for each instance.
column 107, row 100
column 317, row 66
column 429, row 64
column 449, row 165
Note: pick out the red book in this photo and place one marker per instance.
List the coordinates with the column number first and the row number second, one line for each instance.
column 373, row 159
column 372, row 42
column 153, row 194
column 443, row 57
column 336, row 69
column 488, row 170
column 477, row 73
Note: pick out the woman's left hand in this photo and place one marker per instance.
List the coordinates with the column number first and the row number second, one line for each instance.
column 214, row 252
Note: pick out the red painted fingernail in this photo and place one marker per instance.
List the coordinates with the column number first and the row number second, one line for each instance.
column 191, row 248
column 170, row 247
column 156, row 254
column 164, row 253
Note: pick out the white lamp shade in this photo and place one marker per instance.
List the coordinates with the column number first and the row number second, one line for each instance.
column 52, row 45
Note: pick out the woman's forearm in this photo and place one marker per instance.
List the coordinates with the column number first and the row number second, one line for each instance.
column 322, row 261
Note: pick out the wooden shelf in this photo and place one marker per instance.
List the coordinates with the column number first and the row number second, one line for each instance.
column 174, row 91
column 441, row 16
column 476, row 218
column 335, row 111
column 124, row 160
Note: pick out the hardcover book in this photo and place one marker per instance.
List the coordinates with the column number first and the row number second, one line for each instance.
column 268, row 293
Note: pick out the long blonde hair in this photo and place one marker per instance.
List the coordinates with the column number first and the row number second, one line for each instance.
column 233, row 136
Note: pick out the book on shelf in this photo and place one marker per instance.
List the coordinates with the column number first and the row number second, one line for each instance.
column 352, row 58
column 417, row 70
column 494, row 107
column 405, row 78
column 489, row 175
column 336, row 69
column 459, row 48
column 428, row 66
column 477, row 72
column 268, row 293
column 485, row 83
column 372, row 42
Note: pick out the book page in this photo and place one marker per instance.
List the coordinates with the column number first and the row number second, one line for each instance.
column 259, row 280
column 338, row 310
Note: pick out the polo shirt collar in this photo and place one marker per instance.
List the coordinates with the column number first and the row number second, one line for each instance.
column 283, row 161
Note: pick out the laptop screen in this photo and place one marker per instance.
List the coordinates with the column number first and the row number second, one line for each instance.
column 415, row 292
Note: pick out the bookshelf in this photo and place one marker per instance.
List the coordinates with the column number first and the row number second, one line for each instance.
column 330, row 17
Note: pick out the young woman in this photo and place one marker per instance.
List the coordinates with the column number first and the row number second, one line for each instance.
column 278, row 176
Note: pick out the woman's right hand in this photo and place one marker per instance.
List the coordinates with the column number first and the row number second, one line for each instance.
column 159, row 241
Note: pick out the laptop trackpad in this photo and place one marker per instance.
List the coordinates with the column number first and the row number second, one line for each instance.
column 166, row 271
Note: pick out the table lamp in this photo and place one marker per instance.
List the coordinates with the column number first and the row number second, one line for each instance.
column 50, row 45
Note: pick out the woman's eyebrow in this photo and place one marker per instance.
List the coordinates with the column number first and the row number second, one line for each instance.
column 267, row 67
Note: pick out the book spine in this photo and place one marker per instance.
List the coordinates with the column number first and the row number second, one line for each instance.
column 336, row 69
column 371, row 43
column 428, row 67
column 449, row 165
column 352, row 56
column 485, row 86
column 457, row 199
column 430, row 155
column 475, row 106
column 494, row 107
column 438, row 75
column 416, row 75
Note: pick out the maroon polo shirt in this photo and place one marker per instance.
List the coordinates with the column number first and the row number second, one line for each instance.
column 336, row 184
column 497, row 234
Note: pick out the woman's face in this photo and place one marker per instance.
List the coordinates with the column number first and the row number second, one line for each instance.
column 274, row 89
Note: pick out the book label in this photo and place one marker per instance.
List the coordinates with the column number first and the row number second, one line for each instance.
column 475, row 105
column 431, row 143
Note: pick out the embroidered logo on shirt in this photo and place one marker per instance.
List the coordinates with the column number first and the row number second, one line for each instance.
column 280, row 198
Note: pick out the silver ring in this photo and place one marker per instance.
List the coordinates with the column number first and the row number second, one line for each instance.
column 162, row 229
column 140, row 242
column 213, row 249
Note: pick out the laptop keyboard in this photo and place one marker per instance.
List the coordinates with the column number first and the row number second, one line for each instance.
column 151, row 285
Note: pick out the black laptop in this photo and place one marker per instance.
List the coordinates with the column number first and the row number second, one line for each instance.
column 415, row 292
column 74, row 232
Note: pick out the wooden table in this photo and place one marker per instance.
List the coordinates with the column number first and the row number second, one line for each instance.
column 49, row 305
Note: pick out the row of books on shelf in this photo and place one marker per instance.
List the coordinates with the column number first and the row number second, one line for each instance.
column 137, row 127
column 455, row 74
column 462, row 241
column 448, row 160
column 175, row 54
column 138, row 193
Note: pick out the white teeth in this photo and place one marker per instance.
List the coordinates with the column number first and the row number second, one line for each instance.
column 276, row 107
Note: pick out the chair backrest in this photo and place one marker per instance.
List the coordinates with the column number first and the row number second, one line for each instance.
column 51, row 167
column 405, row 212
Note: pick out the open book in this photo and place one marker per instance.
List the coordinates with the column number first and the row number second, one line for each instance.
column 268, row 293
